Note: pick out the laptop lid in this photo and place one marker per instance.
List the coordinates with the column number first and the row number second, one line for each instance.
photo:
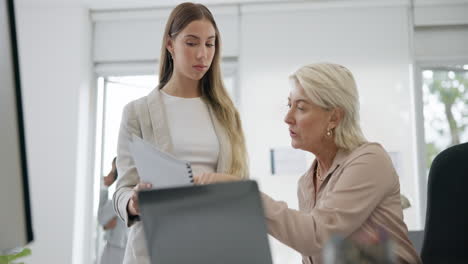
column 216, row 223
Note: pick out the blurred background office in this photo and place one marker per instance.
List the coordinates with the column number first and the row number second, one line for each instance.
column 83, row 60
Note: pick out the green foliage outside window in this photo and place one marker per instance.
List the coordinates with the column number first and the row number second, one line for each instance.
column 450, row 89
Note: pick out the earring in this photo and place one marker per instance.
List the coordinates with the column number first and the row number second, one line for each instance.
column 170, row 60
column 329, row 132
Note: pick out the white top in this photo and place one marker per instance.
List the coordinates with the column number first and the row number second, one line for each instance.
column 192, row 132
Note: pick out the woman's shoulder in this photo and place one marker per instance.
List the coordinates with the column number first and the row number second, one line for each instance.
column 144, row 99
column 369, row 148
column 374, row 156
column 131, row 108
column 136, row 102
column 371, row 152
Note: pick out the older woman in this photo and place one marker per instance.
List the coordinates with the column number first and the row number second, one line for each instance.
column 351, row 189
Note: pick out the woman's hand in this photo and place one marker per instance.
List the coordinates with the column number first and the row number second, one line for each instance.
column 111, row 224
column 132, row 207
column 207, row 178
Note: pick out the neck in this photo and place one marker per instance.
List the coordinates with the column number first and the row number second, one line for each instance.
column 182, row 87
column 326, row 156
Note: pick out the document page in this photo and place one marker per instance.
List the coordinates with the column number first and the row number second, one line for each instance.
column 160, row 169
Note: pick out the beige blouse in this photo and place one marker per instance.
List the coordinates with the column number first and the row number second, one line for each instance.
column 359, row 195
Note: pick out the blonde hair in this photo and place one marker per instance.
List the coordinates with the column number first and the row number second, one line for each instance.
column 332, row 86
column 212, row 86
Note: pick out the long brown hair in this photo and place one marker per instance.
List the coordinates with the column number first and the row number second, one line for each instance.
column 212, row 86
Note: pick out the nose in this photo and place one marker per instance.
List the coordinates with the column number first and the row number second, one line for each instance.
column 202, row 52
column 289, row 119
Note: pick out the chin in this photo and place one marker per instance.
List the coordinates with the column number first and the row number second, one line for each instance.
column 295, row 145
column 197, row 77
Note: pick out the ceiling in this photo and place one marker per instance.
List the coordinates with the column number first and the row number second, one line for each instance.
column 135, row 4
column 124, row 4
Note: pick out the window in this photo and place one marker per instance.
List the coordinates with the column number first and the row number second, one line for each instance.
column 445, row 97
column 113, row 94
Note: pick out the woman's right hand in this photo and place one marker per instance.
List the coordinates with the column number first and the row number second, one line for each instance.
column 132, row 206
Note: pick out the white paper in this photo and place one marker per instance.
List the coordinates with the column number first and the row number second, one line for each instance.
column 158, row 168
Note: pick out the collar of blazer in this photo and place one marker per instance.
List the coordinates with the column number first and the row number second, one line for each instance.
column 156, row 113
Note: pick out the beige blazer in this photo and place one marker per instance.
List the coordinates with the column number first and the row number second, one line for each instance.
column 359, row 196
column 146, row 118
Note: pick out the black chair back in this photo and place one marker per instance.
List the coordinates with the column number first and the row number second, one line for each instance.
column 446, row 229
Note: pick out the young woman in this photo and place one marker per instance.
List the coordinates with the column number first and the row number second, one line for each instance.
column 189, row 114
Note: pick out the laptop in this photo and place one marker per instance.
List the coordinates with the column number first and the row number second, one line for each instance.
column 215, row 223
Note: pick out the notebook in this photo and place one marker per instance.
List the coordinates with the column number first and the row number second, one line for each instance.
column 158, row 168
column 214, row 223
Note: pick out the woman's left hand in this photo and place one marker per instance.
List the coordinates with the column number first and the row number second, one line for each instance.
column 207, row 178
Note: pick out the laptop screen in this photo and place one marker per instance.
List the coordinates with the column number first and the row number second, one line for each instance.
column 217, row 223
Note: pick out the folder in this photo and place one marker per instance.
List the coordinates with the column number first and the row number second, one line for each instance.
column 160, row 169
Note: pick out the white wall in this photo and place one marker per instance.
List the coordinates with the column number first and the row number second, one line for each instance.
column 372, row 41
column 55, row 58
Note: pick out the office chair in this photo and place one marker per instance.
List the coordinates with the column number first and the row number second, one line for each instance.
column 446, row 230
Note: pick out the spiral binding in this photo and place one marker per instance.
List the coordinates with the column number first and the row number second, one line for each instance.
column 189, row 169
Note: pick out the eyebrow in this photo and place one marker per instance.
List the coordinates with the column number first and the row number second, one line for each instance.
column 197, row 37
column 299, row 100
